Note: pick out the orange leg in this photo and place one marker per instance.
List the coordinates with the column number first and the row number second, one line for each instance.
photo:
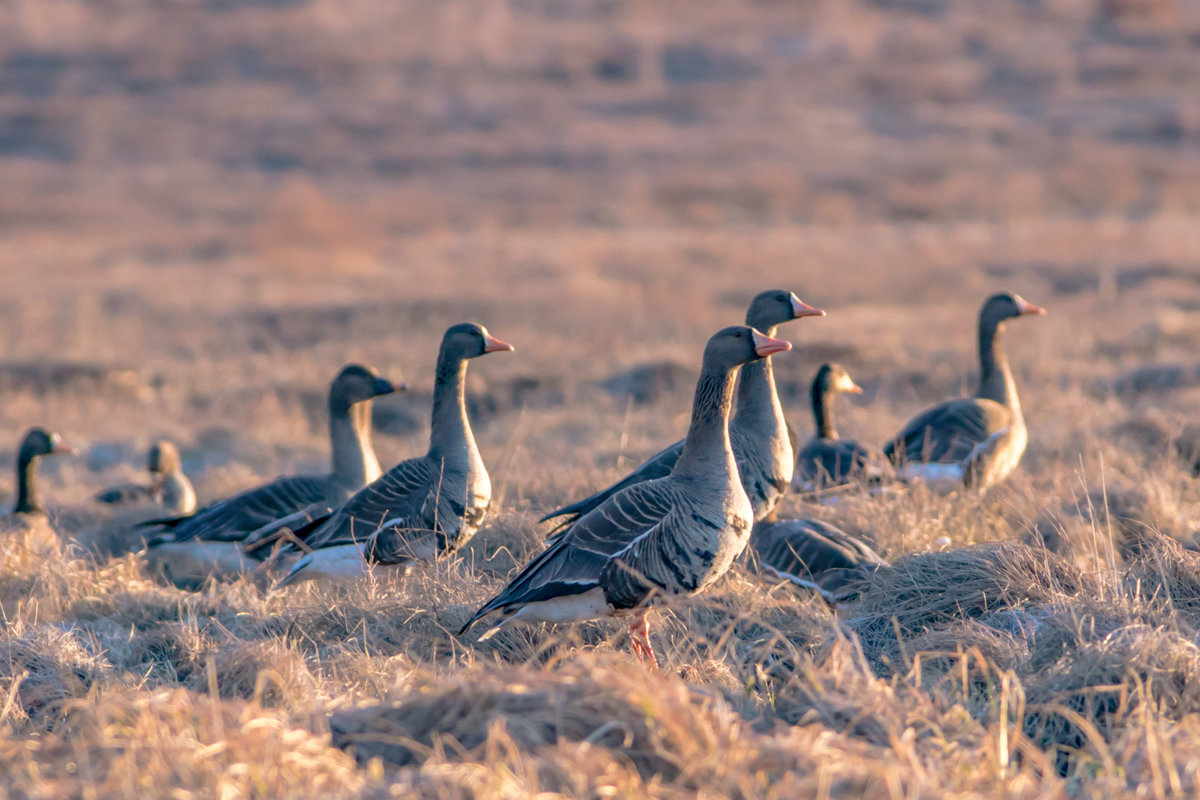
column 639, row 639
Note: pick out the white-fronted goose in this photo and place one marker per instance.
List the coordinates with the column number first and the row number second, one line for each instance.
column 976, row 441
column 212, row 535
column 423, row 507
column 758, row 430
column 28, row 521
column 169, row 486
column 668, row 536
column 813, row 554
column 826, row 460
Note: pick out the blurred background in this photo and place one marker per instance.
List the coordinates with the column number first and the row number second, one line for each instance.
column 207, row 206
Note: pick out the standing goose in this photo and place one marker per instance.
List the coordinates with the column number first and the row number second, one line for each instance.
column 976, row 441
column 169, row 486
column 420, row 508
column 667, row 536
column 28, row 519
column 759, row 432
column 827, row 460
column 813, row 554
column 192, row 546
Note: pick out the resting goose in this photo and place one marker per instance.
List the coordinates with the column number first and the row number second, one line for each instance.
column 208, row 540
column 28, row 523
column 976, row 441
column 423, row 507
column 827, row 460
column 761, row 442
column 667, row 536
column 813, row 554
column 169, row 486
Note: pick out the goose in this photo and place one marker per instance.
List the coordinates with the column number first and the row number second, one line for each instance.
column 827, row 460
column 666, row 536
column 762, row 443
column 813, row 554
column 976, row 441
column 169, row 486
column 208, row 540
column 28, row 523
column 421, row 508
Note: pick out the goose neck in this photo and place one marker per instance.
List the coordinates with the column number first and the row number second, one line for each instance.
column 354, row 461
column 450, row 431
column 707, row 450
column 995, row 376
column 822, row 409
column 27, row 494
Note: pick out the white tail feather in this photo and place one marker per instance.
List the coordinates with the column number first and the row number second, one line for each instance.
column 328, row 563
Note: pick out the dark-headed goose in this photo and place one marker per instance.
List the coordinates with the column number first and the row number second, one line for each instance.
column 420, row 508
column 169, row 486
column 976, row 441
column 826, row 460
column 758, row 429
column 668, row 536
column 209, row 540
column 28, row 520
column 813, row 554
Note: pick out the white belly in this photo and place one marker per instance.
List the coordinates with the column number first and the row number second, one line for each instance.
column 568, row 608
column 344, row 562
column 941, row 478
column 195, row 561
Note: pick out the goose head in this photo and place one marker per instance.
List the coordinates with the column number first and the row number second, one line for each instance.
column 470, row 340
column 777, row 306
column 41, row 442
column 164, row 458
column 833, row 379
column 741, row 344
column 356, row 383
column 1005, row 306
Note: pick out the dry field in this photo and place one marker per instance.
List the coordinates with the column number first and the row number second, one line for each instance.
column 208, row 206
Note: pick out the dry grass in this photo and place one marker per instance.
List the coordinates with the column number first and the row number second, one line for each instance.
column 207, row 208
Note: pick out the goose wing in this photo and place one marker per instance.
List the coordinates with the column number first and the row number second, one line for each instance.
column 395, row 498
column 232, row 519
column 812, row 553
column 948, row 433
column 828, row 462
column 623, row 528
column 297, row 524
column 656, row 466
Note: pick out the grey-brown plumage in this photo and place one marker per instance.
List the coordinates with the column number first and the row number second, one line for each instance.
column 826, row 460
column 667, row 536
column 813, row 554
column 979, row 440
column 169, row 487
column 354, row 465
column 28, row 520
column 758, row 430
column 423, row 507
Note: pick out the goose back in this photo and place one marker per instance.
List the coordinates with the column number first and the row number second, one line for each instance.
column 230, row 520
column 813, row 553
